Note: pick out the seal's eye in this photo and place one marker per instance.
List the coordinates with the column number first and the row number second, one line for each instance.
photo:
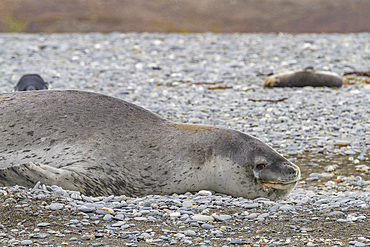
column 260, row 166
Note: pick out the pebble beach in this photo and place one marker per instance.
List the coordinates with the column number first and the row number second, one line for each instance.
column 211, row 79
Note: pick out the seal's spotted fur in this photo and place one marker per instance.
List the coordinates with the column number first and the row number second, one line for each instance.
column 101, row 145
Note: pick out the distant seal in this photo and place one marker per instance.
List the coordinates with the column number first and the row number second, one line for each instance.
column 31, row 82
column 307, row 77
column 101, row 145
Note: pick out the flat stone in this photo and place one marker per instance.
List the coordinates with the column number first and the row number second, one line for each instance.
column 175, row 214
column 26, row 242
column 359, row 244
column 107, row 217
column 41, row 235
column 118, row 224
column 252, row 215
column 222, row 217
column 190, row 233
column 43, row 224
column 350, row 152
column 201, row 217
column 335, row 213
column 207, row 226
column 250, row 205
column 56, row 206
column 342, row 220
column 86, row 209
column 204, row 192
column 140, row 218
column 187, row 204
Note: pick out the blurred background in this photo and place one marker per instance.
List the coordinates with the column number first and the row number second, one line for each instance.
column 294, row 16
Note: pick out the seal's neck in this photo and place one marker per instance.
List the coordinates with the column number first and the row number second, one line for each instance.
column 218, row 174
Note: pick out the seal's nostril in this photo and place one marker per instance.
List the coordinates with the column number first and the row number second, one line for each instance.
column 260, row 166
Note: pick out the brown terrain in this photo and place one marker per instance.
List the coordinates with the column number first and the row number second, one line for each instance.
column 295, row 16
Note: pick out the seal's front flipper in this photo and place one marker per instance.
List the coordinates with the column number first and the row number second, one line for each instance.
column 29, row 174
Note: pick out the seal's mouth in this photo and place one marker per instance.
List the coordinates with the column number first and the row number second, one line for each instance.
column 279, row 186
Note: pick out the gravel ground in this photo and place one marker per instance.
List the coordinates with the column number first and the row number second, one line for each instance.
column 211, row 79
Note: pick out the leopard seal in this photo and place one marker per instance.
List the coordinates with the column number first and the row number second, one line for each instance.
column 31, row 82
column 101, row 145
column 306, row 77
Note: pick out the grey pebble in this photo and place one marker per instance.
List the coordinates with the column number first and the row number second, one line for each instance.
column 87, row 209
column 56, row 206
column 86, row 237
column 76, row 195
column 190, row 233
column 357, row 243
column 222, row 217
column 107, row 217
column 252, row 215
column 342, row 220
column 140, row 218
column 43, row 224
column 335, row 213
column 118, row 224
column 97, row 244
column 202, row 217
column 41, row 235
column 217, row 233
column 26, row 242
column 250, row 205
column 207, row 226
column 60, row 191
column 286, row 207
column 236, row 241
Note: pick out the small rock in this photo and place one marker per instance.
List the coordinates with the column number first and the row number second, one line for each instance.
column 175, row 214
column 350, row 152
column 118, row 224
column 204, row 193
column 342, row 220
column 190, row 233
column 26, row 242
column 76, row 195
column 222, row 217
column 43, row 224
column 236, row 241
column 87, row 237
column 41, row 235
column 335, row 213
column 187, row 204
column 252, row 215
column 86, row 209
column 359, row 244
column 107, row 217
column 201, row 217
column 250, row 205
column 56, row 206
column 207, row 226
column 96, row 244
column 140, row 218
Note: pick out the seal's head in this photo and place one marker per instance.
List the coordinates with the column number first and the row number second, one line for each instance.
column 278, row 178
column 31, row 82
column 244, row 166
